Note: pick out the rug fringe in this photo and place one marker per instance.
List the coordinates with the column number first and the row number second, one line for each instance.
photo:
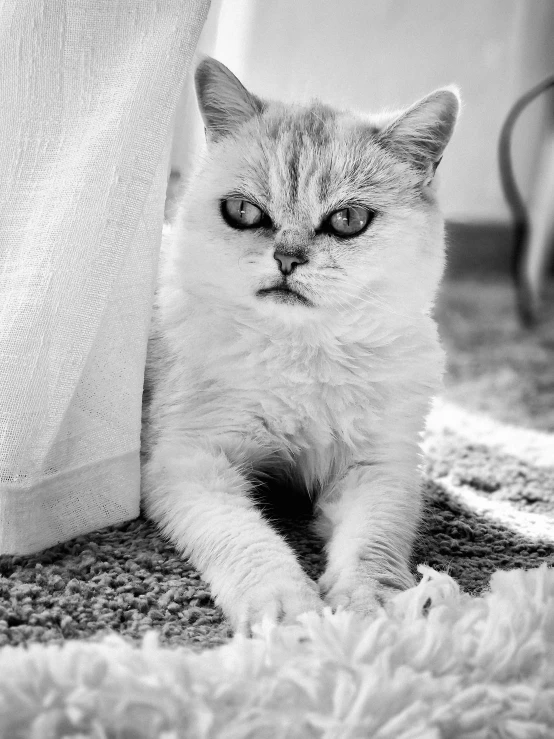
column 436, row 663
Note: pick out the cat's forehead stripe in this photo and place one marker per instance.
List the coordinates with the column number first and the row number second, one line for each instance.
column 314, row 123
column 298, row 136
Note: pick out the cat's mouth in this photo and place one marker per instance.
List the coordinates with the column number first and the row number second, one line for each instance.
column 282, row 293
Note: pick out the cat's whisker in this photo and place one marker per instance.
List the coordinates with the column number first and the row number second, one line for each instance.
column 348, row 290
column 371, row 299
column 358, row 299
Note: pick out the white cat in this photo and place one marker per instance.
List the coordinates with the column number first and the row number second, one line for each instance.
column 292, row 336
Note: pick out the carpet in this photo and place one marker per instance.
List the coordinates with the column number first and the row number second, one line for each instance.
column 488, row 471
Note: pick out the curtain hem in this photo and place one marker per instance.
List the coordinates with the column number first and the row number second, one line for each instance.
column 70, row 504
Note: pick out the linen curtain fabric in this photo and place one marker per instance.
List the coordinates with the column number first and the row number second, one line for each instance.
column 89, row 91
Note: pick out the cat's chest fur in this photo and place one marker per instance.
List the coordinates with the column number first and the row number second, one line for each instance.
column 307, row 397
column 305, row 390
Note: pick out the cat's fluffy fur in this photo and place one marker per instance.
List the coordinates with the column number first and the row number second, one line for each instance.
column 329, row 393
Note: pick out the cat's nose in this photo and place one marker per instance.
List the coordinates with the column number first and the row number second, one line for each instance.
column 288, row 262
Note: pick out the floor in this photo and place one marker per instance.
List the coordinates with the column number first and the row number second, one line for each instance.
column 494, row 364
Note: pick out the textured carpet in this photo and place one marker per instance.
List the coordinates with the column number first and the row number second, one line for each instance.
column 489, row 484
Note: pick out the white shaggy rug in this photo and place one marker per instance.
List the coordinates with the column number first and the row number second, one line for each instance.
column 438, row 664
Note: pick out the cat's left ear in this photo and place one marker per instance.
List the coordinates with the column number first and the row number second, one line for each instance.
column 225, row 104
column 421, row 133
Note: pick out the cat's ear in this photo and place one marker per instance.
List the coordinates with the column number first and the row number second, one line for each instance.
column 421, row 133
column 223, row 100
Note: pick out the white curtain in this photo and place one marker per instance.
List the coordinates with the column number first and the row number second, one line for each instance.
column 88, row 94
column 227, row 36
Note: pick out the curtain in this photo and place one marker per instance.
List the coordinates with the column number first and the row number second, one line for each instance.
column 89, row 92
column 227, row 35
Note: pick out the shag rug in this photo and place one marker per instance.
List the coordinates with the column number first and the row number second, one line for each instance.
column 113, row 635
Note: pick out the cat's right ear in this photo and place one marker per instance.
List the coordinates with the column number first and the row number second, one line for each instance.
column 223, row 100
column 420, row 134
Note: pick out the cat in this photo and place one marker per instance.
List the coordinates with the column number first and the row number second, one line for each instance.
column 292, row 337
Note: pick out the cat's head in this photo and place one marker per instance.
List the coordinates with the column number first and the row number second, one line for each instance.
column 300, row 211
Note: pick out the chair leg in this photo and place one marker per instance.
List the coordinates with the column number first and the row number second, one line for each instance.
column 535, row 261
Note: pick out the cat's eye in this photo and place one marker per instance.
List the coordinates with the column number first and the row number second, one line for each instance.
column 349, row 221
column 240, row 213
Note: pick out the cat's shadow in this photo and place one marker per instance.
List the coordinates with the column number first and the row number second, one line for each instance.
column 291, row 514
column 450, row 538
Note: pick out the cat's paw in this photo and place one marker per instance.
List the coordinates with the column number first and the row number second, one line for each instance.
column 280, row 598
column 360, row 591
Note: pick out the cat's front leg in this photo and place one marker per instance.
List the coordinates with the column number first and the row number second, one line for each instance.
column 201, row 501
column 370, row 516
